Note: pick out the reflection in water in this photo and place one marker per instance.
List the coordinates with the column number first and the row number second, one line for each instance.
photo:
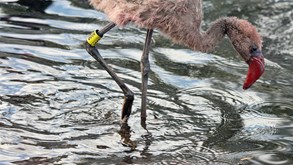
column 58, row 106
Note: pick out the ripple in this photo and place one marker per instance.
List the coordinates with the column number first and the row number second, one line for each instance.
column 280, row 109
column 269, row 158
column 264, row 120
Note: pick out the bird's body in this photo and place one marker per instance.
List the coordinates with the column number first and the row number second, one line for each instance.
column 167, row 16
column 164, row 15
column 180, row 20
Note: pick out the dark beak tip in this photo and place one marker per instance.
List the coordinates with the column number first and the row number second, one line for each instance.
column 245, row 87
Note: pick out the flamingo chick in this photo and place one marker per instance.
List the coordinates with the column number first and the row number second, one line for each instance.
column 180, row 20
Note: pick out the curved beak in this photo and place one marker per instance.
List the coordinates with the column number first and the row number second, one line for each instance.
column 256, row 69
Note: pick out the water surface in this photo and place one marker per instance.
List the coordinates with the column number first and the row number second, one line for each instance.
column 58, row 106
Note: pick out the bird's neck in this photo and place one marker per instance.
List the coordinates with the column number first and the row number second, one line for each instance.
column 206, row 41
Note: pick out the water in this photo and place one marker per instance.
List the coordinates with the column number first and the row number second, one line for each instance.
column 58, row 106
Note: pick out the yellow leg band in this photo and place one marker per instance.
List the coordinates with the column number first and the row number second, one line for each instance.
column 94, row 38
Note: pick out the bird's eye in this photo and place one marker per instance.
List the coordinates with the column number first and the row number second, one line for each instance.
column 254, row 49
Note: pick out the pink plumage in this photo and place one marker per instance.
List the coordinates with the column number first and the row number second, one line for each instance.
column 177, row 19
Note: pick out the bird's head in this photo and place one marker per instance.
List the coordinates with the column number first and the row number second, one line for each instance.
column 248, row 43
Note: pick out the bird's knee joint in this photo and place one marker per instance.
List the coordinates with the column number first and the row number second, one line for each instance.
column 129, row 96
column 146, row 68
column 145, row 61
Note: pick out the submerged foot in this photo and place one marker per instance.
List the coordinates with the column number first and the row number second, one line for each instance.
column 125, row 133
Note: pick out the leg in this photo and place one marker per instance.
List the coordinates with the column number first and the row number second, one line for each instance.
column 145, row 68
column 93, row 51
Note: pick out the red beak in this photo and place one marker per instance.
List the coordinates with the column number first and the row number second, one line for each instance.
column 256, row 69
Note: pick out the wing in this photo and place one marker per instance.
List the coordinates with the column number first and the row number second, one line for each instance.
column 175, row 18
column 180, row 20
column 161, row 13
column 152, row 13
